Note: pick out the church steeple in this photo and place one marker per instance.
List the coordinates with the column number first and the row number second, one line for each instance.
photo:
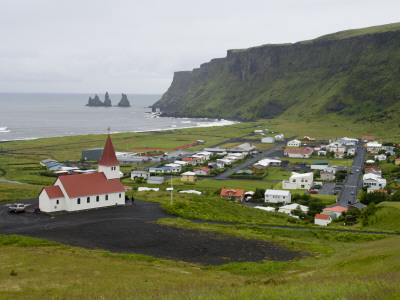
column 109, row 163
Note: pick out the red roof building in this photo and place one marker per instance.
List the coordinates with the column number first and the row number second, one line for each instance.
column 322, row 217
column 302, row 152
column 86, row 191
column 232, row 194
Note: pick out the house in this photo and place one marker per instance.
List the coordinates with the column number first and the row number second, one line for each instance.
column 155, row 179
column 232, row 194
column 162, row 170
column 279, row 137
column 351, row 151
column 139, row 174
column 86, row 191
column 349, row 141
column 294, row 143
column 367, row 138
column 374, row 169
column 55, row 167
column 374, row 147
column 298, row 153
column 277, row 196
column 174, row 168
column 370, row 162
column 389, row 150
column 268, row 140
column 133, row 160
column 269, row 162
column 339, row 154
column 327, row 175
column 322, row 220
column 204, row 171
column 298, row 181
column 376, row 182
column 188, row 177
column 308, row 139
column 380, row 157
column 287, row 209
column 189, row 161
column 258, row 168
column 177, row 154
column 337, row 210
column 336, row 147
column 181, row 163
column 245, row 147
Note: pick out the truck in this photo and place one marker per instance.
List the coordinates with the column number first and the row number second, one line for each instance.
column 16, row 207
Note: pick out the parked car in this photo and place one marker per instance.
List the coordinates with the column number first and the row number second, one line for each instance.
column 314, row 192
column 16, row 207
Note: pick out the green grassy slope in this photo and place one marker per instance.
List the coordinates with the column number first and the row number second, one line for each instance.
column 351, row 75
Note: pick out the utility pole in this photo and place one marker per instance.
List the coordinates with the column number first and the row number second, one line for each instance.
column 172, row 189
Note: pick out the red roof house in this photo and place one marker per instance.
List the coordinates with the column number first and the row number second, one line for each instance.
column 232, row 194
column 202, row 171
column 322, row 220
column 301, row 153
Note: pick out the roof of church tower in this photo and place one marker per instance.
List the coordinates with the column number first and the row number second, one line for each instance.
column 109, row 158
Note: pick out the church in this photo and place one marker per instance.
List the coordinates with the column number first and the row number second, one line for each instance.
column 86, row 191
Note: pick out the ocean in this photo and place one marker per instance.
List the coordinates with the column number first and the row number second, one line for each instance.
column 31, row 116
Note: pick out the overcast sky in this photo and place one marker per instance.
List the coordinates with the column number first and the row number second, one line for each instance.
column 135, row 46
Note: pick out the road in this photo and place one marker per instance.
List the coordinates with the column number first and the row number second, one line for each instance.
column 353, row 180
column 265, row 153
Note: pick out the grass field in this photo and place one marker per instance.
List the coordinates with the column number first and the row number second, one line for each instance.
column 386, row 218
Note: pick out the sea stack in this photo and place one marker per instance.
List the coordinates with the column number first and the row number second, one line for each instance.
column 124, row 101
column 107, row 100
column 95, row 101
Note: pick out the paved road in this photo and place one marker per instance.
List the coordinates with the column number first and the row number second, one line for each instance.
column 353, row 180
column 225, row 175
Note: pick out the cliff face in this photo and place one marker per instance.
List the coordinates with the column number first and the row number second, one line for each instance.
column 355, row 75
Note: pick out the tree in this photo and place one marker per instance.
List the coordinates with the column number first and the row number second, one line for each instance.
column 259, row 194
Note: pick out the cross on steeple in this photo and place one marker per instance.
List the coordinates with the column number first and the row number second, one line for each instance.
column 108, row 129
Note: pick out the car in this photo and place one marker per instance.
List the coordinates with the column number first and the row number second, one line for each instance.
column 351, row 172
column 352, row 193
column 16, row 207
column 314, row 192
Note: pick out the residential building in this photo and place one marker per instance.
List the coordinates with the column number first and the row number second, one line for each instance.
column 174, row 168
column 294, row 143
column 380, row 157
column 337, row 210
column 299, row 181
column 232, row 194
column 139, row 174
column 188, row 177
column 308, row 139
column 376, row 182
column 319, row 164
column 374, row 147
column 277, row 196
column 279, row 137
column 327, row 175
column 298, row 153
column 269, row 162
column 162, row 170
column 268, row 140
column 322, row 220
column 86, row 191
column 204, row 171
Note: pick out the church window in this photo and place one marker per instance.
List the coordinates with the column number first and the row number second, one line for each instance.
column 88, row 199
column 58, row 201
column 78, row 201
column 106, row 197
column 97, row 198
column 120, row 195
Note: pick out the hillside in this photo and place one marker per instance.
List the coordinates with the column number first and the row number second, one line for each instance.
column 353, row 75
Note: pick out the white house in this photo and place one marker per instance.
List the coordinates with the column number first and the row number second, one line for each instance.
column 268, row 140
column 277, row 196
column 86, row 191
column 322, row 220
column 374, row 181
column 137, row 174
column 287, row 209
column 175, row 168
column 374, row 147
column 380, row 157
column 298, row 181
column 269, row 162
column 268, row 208
column 279, row 137
column 294, row 143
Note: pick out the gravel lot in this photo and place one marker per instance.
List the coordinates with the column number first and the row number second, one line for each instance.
column 130, row 229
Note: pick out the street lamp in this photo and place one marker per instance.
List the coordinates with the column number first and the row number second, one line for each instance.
column 172, row 189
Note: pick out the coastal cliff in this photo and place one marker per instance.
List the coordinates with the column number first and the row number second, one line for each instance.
column 355, row 74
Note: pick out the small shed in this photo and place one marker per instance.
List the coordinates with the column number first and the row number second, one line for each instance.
column 322, row 220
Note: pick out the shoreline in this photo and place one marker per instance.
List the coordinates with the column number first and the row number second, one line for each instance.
column 214, row 123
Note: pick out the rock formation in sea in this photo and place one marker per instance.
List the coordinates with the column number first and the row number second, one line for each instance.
column 95, row 101
column 107, row 100
column 124, row 101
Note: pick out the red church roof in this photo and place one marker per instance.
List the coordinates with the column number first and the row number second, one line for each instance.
column 53, row 192
column 109, row 158
column 90, row 184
